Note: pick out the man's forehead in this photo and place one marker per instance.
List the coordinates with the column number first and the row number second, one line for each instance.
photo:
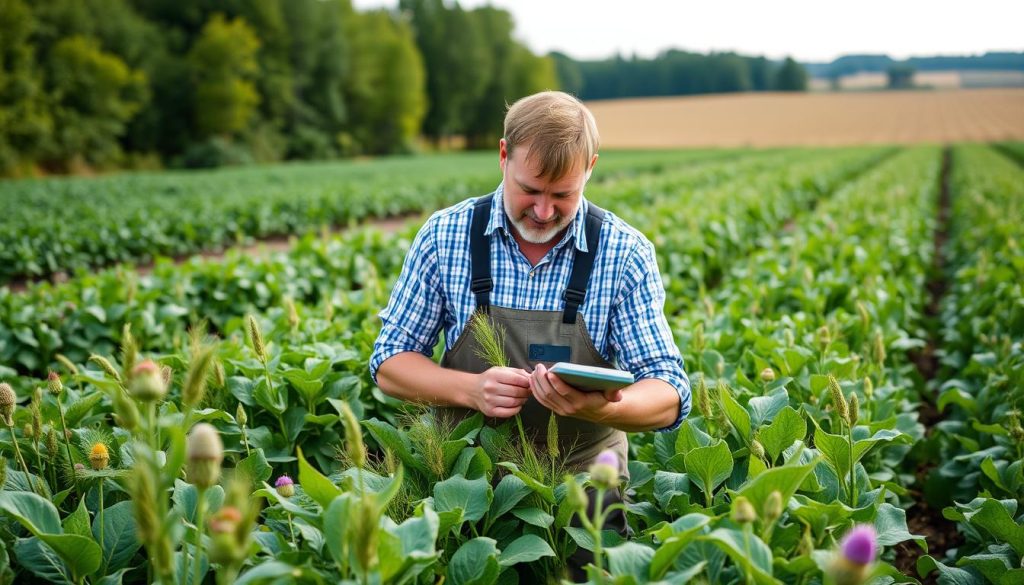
column 528, row 167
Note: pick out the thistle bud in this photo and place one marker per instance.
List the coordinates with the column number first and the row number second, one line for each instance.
column 757, row 449
column 64, row 361
column 878, row 349
column 205, row 452
column 836, row 392
column 256, row 339
column 575, row 495
column 854, row 407
column 240, row 416
column 743, row 511
column 773, row 506
column 219, row 377
column 552, row 436
column 53, row 381
column 865, row 317
column 767, row 375
column 353, row 436
column 285, row 486
column 704, row 400
column 147, row 384
column 99, row 457
column 869, row 388
column 27, row 431
column 698, row 337
column 604, row 472
column 126, row 410
column 106, row 366
column 51, row 443
column 293, row 313
column 824, row 337
column 7, row 401
column 857, row 551
column 79, row 467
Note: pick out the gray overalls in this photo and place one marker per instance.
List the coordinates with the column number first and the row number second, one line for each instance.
column 533, row 337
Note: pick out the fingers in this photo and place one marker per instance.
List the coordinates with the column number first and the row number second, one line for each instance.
column 512, row 376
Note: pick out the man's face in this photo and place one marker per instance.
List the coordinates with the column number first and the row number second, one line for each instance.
column 539, row 208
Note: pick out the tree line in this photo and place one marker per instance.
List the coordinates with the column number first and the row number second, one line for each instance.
column 115, row 83
column 97, row 84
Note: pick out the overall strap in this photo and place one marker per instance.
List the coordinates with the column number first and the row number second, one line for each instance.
column 480, row 253
column 583, row 265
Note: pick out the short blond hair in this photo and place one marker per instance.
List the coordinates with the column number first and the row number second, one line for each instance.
column 559, row 129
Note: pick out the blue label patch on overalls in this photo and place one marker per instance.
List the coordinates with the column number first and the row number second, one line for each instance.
column 541, row 352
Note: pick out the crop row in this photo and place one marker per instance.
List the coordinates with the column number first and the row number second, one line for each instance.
column 87, row 314
column 64, row 225
column 979, row 446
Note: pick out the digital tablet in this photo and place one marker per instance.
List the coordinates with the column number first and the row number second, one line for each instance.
column 590, row 378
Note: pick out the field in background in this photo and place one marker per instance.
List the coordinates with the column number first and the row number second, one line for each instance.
column 776, row 119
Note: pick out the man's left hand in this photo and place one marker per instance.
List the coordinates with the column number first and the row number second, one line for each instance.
column 565, row 400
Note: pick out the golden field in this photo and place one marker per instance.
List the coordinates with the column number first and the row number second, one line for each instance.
column 812, row 119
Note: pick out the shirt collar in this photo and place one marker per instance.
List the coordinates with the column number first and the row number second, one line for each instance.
column 577, row 231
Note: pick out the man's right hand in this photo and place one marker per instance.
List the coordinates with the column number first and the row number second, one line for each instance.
column 501, row 392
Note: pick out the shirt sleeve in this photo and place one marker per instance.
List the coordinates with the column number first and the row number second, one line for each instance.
column 413, row 317
column 640, row 335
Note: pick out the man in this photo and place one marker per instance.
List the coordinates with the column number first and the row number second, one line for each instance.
column 566, row 281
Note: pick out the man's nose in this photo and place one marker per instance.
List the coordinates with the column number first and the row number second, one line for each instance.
column 543, row 209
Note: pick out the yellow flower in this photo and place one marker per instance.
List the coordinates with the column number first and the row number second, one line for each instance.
column 99, row 457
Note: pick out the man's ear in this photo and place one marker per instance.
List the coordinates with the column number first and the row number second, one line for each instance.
column 502, row 154
column 593, row 163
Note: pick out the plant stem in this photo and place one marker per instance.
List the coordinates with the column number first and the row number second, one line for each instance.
column 245, row 441
column 67, row 443
column 596, row 531
column 100, row 516
column 17, row 452
column 197, row 559
column 853, row 480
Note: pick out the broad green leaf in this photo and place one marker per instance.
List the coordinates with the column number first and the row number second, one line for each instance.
column 407, row 549
column 186, row 497
column 891, row 526
column 394, row 485
column 630, row 558
column 737, row 415
column 472, row 496
column 668, row 486
column 271, row 571
column 748, row 551
column 82, row 554
column 120, row 540
column 674, row 538
column 764, row 408
column 997, row 568
column 948, row 575
column 398, row 443
column 36, row 514
column 77, row 522
column 534, row 517
column 315, row 484
column 510, row 491
column 41, row 560
column 335, row 523
column 787, row 428
column 786, row 480
column 709, row 466
column 540, row 489
column 585, row 540
column 994, row 518
column 255, row 467
column 475, row 563
column 525, row 549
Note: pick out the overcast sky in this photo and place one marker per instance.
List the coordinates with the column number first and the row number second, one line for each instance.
column 809, row 30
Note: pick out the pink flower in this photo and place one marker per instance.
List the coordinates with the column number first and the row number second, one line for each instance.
column 860, row 545
column 285, row 486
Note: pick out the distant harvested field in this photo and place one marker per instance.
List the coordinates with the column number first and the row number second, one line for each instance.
column 778, row 119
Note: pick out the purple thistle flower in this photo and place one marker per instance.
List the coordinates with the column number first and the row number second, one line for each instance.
column 285, row 486
column 609, row 458
column 860, row 545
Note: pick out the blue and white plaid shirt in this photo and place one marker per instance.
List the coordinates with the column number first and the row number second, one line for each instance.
column 623, row 309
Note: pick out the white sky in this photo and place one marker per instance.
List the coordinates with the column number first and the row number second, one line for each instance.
column 808, row 30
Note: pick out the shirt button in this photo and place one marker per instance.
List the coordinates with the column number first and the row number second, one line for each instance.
column 531, row 273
